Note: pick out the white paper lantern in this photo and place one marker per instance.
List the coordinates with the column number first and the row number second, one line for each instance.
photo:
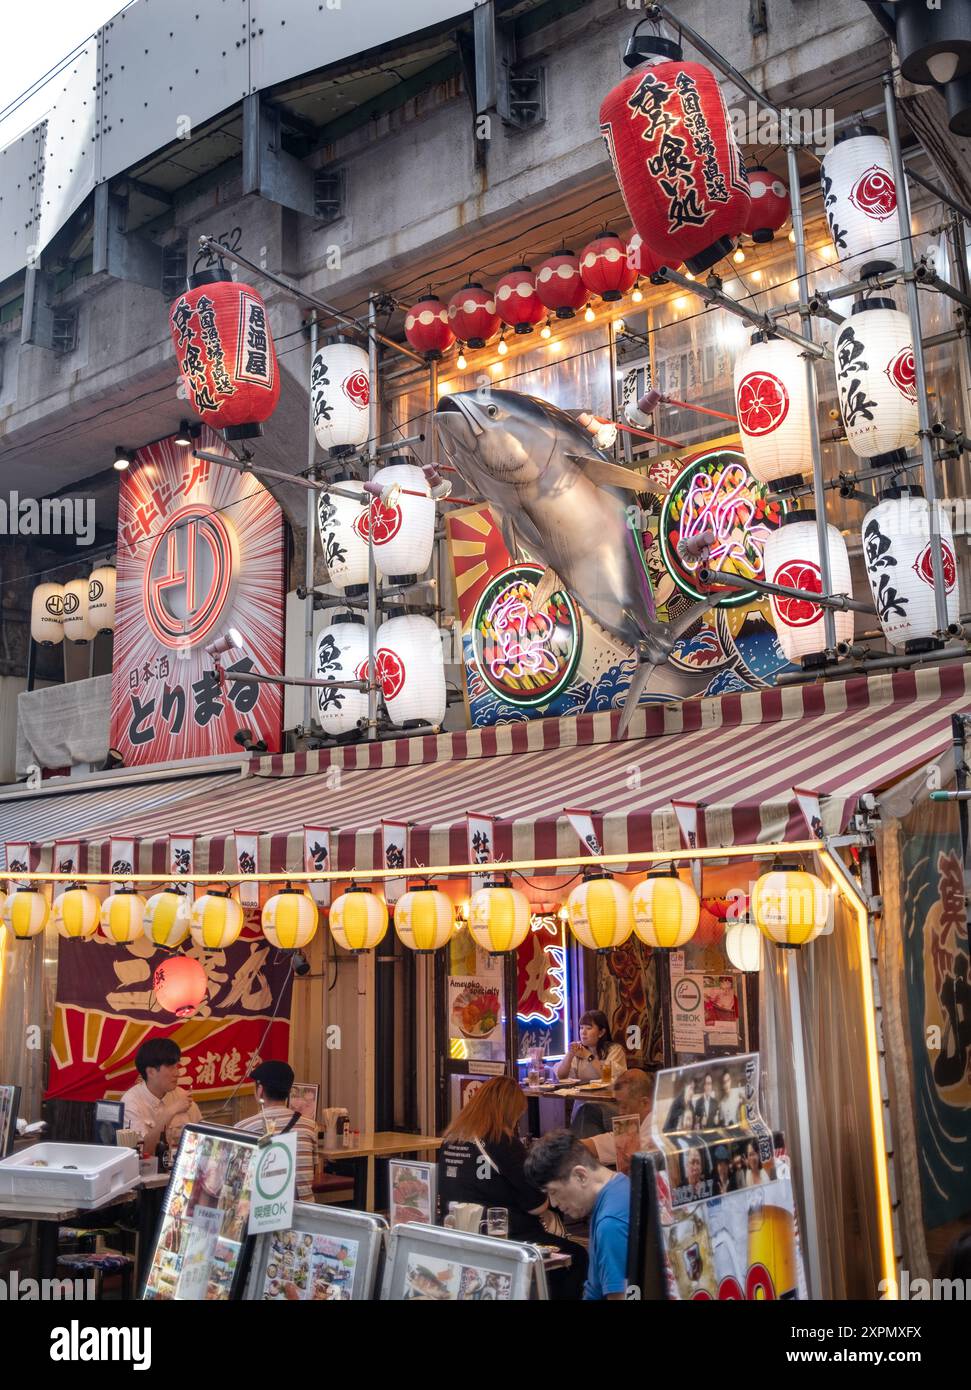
column 876, row 381
column 341, row 393
column 791, row 557
column 101, row 598
column 167, row 918
column 897, row 554
column 77, row 628
column 411, row 669
column 404, row 528
column 47, row 614
column 860, row 202
column 342, row 655
column 342, row 524
column 743, row 946
column 772, row 405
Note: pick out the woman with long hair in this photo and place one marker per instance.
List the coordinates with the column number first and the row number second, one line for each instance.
column 585, row 1059
column 482, row 1159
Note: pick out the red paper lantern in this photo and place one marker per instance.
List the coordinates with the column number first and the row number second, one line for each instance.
column 472, row 315
column 517, row 301
column 675, row 155
column 606, row 268
column 769, row 206
column 222, row 339
column 180, row 985
column 559, row 285
column 427, row 327
column 642, row 258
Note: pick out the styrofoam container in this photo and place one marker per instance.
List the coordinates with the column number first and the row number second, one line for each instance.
column 77, row 1173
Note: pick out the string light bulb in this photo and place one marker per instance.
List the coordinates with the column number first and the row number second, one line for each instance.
column 460, row 361
column 739, row 256
column 589, row 315
column 637, row 294
column 502, row 347
column 546, row 331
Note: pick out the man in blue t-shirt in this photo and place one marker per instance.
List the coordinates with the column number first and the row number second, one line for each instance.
column 578, row 1184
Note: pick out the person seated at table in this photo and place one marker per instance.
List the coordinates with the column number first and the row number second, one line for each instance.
column 482, row 1161
column 273, row 1081
column 634, row 1094
column 156, row 1107
column 585, row 1059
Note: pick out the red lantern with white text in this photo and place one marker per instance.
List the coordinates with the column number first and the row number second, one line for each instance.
column 222, row 338
column 472, row 315
column 769, row 207
column 606, row 268
column 559, row 285
column 675, row 156
column 772, row 405
column 517, row 301
column 180, row 985
column 427, row 327
column 791, row 558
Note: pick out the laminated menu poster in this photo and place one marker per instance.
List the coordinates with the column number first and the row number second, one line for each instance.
column 413, row 1192
column 429, row 1279
column 724, row 1213
column 306, row 1267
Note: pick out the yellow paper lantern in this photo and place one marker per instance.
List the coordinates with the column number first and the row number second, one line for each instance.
column 743, row 946
column 790, row 906
column 666, row 911
column 217, row 920
column 424, row 919
column 499, row 917
column 358, row 919
column 600, row 914
column 123, row 917
column 167, row 918
column 76, row 913
column 289, row 919
column 26, row 912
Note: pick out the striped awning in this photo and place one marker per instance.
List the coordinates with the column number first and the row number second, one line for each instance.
column 738, row 759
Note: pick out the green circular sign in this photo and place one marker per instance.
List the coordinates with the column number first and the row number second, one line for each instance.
column 274, row 1172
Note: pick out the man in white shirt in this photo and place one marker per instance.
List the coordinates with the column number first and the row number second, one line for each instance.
column 157, row 1107
column 634, row 1094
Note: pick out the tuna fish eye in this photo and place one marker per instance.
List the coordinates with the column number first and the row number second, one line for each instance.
column 492, row 410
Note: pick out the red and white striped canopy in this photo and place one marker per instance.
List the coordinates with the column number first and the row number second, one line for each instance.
column 738, row 758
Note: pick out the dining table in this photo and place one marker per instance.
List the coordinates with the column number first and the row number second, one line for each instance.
column 550, row 1106
column 383, row 1144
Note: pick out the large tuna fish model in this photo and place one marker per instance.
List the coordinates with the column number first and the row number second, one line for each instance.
column 556, row 496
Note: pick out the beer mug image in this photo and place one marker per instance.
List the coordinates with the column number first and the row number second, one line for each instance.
column 772, row 1245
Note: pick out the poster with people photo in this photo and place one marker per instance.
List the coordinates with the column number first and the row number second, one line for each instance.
column 201, row 1241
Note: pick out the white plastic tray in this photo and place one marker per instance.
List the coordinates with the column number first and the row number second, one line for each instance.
column 77, row 1174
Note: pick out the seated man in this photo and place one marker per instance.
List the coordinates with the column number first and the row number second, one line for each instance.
column 273, row 1082
column 157, row 1108
column 634, row 1094
column 578, row 1184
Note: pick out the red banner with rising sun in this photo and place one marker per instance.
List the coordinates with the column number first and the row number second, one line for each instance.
column 200, row 602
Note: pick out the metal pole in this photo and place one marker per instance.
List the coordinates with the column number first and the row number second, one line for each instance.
column 819, row 491
column 913, row 311
column 311, row 513
column 372, row 569
column 738, row 581
column 763, row 322
column 790, row 973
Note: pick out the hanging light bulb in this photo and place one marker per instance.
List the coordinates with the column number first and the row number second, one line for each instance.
column 637, row 294
column 546, row 331
column 739, row 256
column 460, row 361
column 589, row 315
column 502, row 347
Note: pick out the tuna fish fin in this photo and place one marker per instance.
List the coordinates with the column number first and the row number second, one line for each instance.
column 680, row 625
column 549, row 582
column 635, row 690
column 605, row 474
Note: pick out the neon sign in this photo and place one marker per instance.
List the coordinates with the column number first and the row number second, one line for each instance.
column 542, row 1014
column 525, row 657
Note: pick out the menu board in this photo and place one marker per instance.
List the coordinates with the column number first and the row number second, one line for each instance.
column 413, row 1192
column 429, row 1279
column 201, row 1241
column 306, row 1267
column 475, row 1002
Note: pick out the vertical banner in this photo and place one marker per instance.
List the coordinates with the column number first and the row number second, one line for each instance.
column 582, row 822
column 692, row 837
column 182, row 859
column 394, row 836
column 18, row 860
column 121, row 856
column 248, row 862
column 809, row 805
column 316, row 860
column 480, row 831
column 67, row 859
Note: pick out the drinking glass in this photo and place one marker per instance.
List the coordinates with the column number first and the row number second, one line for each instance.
column 497, row 1223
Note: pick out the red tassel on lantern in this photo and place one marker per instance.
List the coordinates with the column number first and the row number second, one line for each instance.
column 222, row 339
column 769, row 206
column 559, row 285
column 472, row 315
column 427, row 327
column 517, row 301
column 675, row 156
column 180, row 985
column 607, row 269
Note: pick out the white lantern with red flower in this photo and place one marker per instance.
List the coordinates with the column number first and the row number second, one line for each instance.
column 403, row 526
column 427, row 327
column 343, row 541
column 606, row 269
column 472, row 315
column 876, row 380
column 517, row 301
column 769, row 208
column 342, row 655
column 340, row 390
column 772, row 405
column 900, row 568
column 791, row 558
column 559, row 285
column 860, row 203
column 411, row 670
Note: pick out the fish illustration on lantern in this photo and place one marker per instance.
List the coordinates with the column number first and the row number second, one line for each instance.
column 556, row 496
